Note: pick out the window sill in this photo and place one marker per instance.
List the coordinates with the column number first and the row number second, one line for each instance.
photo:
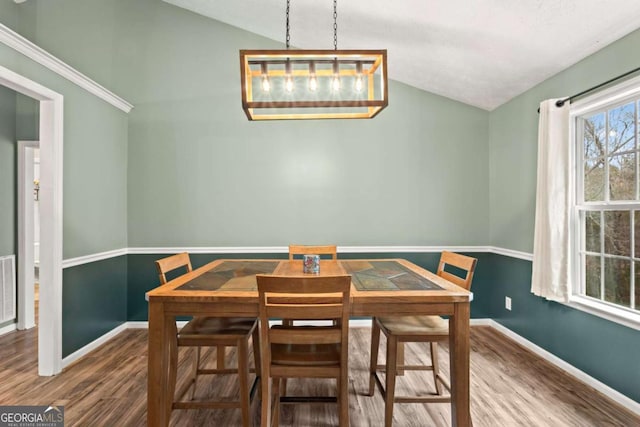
column 606, row 311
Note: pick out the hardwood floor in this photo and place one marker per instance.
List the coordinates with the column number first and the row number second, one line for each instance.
column 510, row 386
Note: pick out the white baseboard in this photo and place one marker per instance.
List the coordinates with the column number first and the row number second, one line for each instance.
column 8, row 328
column 481, row 322
column 612, row 394
column 93, row 345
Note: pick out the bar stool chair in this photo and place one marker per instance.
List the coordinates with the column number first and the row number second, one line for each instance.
column 313, row 250
column 405, row 329
column 304, row 351
column 217, row 332
column 294, row 250
column 310, row 250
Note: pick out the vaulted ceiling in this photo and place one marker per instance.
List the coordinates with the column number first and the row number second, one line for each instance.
column 480, row 52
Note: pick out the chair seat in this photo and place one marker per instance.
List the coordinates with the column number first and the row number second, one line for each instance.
column 414, row 325
column 200, row 327
column 305, row 354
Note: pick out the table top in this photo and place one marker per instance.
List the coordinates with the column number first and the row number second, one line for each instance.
column 366, row 276
column 372, row 280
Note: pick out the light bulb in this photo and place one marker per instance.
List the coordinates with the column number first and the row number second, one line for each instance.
column 335, row 84
column 358, row 76
column 288, row 80
column 313, row 81
column 358, row 83
column 266, row 85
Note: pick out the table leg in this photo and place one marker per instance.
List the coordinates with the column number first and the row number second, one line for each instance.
column 158, row 367
column 459, row 365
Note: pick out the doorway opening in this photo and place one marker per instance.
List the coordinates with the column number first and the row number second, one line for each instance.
column 28, row 233
column 50, row 206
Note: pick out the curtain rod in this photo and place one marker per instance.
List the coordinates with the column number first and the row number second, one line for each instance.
column 560, row 102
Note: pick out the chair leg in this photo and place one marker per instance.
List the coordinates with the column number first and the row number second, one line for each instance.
column 343, row 401
column 392, row 353
column 173, row 369
column 255, row 342
column 220, row 353
column 265, row 414
column 196, row 366
column 436, row 366
column 276, row 405
column 375, row 343
column 243, row 378
column 400, row 359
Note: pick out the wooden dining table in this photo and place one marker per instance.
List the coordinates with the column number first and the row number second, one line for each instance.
column 227, row 288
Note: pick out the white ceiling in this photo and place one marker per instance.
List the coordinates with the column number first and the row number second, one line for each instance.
column 480, row 52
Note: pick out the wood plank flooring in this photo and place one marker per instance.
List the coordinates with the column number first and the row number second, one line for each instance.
column 510, row 386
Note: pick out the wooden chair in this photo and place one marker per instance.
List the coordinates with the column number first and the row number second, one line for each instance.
column 404, row 329
column 313, row 250
column 304, row 351
column 209, row 332
column 310, row 250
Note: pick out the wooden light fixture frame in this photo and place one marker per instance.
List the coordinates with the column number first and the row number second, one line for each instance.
column 372, row 66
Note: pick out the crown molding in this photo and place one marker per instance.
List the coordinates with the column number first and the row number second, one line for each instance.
column 42, row 57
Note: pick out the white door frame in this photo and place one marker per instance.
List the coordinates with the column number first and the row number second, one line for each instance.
column 51, row 139
column 26, row 231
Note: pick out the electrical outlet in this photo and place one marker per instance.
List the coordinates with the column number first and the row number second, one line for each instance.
column 507, row 303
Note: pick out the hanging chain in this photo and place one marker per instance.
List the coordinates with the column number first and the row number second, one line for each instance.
column 335, row 24
column 288, row 38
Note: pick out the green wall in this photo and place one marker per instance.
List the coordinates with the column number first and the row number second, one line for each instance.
column 8, row 221
column 10, row 13
column 200, row 174
column 27, row 118
column 94, row 301
column 604, row 350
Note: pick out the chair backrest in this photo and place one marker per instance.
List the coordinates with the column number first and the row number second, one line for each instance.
column 171, row 263
column 305, row 298
column 463, row 262
column 314, row 250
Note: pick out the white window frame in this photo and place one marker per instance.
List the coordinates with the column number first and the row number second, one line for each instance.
column 600, row 101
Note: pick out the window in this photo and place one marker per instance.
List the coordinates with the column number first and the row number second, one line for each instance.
column 607, row 225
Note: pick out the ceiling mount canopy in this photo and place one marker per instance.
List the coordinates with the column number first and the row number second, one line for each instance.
column 313, row 84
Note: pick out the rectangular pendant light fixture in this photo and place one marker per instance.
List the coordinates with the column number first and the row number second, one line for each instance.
column 313, row 84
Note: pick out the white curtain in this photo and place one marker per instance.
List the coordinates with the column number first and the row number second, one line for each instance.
column 551, row 245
